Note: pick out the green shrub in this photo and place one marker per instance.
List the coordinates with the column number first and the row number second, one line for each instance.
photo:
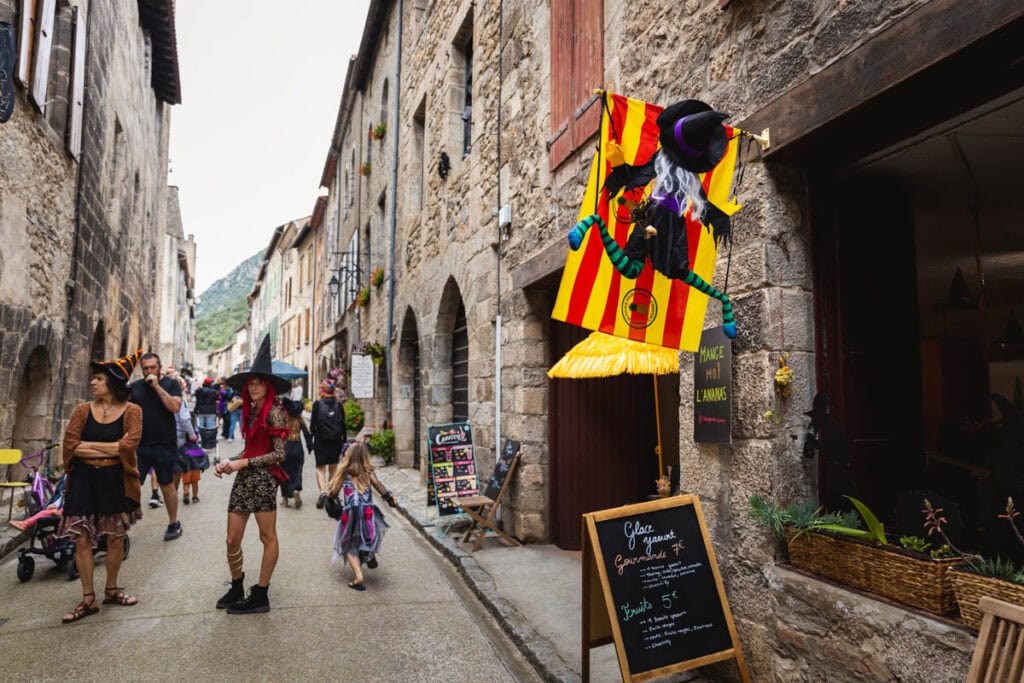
column 354, row 417
column 382, row 444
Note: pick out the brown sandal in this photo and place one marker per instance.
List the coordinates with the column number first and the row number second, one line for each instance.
column 118, row 597
column 82, row 609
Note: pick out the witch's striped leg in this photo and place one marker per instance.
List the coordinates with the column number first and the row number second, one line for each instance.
column 728, row 322
column 627, row 267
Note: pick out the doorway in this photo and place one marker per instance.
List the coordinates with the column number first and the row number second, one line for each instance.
column 602, row 441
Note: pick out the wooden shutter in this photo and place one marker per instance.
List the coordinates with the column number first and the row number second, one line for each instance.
column 577, row 68
column 77, row 85
column 588, row 69
column 27, row 39
column 44, row 40
column 560, row 143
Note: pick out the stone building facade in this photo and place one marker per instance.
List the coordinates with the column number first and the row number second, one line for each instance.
column 825, row 79
column 82, row 200
column 177, row 307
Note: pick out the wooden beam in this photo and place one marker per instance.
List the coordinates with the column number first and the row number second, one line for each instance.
column 933, row 33
column 550, row 260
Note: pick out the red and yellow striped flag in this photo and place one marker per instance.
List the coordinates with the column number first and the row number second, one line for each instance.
column 652, row 308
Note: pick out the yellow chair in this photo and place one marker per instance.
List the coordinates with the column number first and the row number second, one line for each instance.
column 10, row 457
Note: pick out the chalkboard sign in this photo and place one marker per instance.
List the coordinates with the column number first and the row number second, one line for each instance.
column 712, row 388
column 662, row 593
column 508, row 454
column 452, row 465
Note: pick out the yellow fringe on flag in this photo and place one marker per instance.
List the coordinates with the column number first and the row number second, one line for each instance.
column 602, row 355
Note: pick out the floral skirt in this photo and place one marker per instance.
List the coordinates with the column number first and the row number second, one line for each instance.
column 360, row 532
column 254, row 490
column 95, row 504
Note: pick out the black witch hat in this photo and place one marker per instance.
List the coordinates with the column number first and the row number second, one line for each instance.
column 692, row 135
column 261, row 367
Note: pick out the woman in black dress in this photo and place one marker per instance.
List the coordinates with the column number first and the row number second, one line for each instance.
column 327, row 425
column 102, row 497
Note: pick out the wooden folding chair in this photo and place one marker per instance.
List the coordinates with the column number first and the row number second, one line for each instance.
column 999, row 653
column 482, row 509
column 11, row 457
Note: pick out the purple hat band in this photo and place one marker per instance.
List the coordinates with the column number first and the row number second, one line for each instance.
column 683, row 147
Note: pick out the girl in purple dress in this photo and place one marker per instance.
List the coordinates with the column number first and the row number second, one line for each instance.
column 362, row 526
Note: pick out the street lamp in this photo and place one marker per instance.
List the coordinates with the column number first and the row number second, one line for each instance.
column 333, row 285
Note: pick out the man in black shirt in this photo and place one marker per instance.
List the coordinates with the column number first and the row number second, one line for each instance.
column 160, row 400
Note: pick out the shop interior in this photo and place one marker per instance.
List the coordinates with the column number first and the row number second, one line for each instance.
column 928, row 245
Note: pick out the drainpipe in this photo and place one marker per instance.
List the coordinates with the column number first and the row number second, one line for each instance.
column 394, row 211
column 497, row 319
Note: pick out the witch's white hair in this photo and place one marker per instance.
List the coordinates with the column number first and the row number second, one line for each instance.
column 675, row 181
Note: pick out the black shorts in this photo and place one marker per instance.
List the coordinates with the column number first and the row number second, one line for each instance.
column 161, row 458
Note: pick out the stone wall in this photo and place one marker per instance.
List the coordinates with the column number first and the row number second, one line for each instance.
column 37, row 223
column 122, row 197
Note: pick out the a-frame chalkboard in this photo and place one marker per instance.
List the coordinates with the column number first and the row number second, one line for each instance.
column 651, row 585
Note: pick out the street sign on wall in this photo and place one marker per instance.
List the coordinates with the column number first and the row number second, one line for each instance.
column 362, row 376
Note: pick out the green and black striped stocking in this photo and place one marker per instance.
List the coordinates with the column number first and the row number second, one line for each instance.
column 627, row 267
column 697, row 282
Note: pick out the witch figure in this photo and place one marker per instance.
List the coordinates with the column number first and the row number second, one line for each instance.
column 693, row 140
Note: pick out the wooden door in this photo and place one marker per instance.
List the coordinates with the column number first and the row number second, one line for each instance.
column 601, row 442
column 868, row 355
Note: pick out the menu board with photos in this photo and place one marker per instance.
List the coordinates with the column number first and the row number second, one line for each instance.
column 452, row 465
column 651, row 585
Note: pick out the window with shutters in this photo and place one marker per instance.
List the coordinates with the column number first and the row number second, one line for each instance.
column 577, row 69
column 419, row 129
column 384, row 102
column 460, row 367
column 77, row 85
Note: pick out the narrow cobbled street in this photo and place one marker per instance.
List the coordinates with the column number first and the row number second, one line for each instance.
column 412, row 619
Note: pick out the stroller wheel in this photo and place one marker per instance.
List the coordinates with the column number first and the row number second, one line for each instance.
column 26, row 566
column 72, row 569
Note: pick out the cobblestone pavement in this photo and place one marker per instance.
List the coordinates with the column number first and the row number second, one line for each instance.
column 415, row 622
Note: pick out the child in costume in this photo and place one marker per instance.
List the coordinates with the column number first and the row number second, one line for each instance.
column 362, row 526
column 693, row 140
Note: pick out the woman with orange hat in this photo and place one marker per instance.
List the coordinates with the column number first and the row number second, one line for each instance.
column 102, row 488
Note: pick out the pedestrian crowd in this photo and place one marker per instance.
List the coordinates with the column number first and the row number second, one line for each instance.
column 132, row 430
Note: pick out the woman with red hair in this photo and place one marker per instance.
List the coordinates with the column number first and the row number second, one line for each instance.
column 254, row 491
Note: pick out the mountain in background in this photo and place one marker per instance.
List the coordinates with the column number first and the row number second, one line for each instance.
column 222, row 308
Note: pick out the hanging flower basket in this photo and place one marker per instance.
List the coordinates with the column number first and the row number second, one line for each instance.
column 377, row 277
column 365, row 169
column 379, row 131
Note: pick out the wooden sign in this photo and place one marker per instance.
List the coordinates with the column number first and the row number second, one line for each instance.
column 651, row 585
column 508, row 454
column 452, row 465
column 712, row 388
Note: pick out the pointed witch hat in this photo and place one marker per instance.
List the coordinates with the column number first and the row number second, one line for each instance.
column 121, row 369
column 692, row 135
column 261, row 367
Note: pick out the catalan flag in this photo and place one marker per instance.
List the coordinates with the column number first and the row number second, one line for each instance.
column 652, row 308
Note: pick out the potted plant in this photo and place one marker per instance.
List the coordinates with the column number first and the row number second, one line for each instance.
column 363, row 297
column 382, row 444
column 365, row 169
column 354, row 417
column 981, row 576
column 834, row 546
column 379, row 131
column 375, row 351
column 377, row 277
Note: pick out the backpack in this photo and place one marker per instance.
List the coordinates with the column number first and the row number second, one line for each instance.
column 331, row 422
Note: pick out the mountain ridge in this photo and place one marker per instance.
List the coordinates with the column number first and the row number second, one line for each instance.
column 222, row 308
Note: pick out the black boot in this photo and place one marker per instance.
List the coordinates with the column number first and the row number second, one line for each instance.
column 234, row 594
column 254, row 603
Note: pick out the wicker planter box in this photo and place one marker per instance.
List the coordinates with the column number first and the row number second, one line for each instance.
column 894, row 573
column 971, row 587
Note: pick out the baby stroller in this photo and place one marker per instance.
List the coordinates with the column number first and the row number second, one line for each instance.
column 208, row 440
column 44, row 541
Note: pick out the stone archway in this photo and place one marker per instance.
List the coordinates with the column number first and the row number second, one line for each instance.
column 408, row 402
column 32, row 415
column 438, row 405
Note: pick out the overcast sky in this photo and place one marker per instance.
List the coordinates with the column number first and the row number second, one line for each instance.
column 260, row 84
